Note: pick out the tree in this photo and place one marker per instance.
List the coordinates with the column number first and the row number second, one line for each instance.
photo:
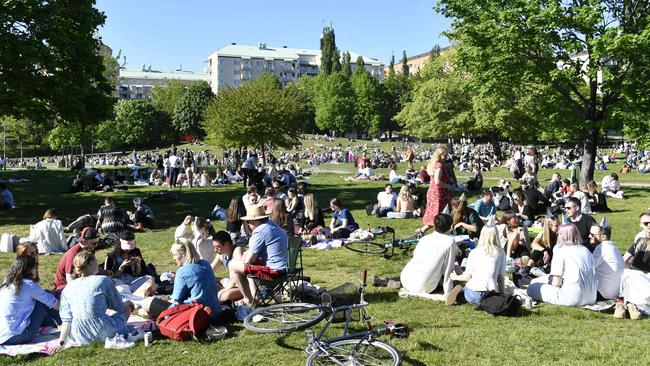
column 334, row 103
column 368, row 99
column 49, row 62
column 269, row 79
column 190, row 110
column 405, row 66
column 137, row 122
column 327, row 48
column 360, row 64
column 307, row 87
column 391, row 67
column 592, row 55
column 254, row 114
column 336, row 60
column 346, row 68
column 165, row 97
column 435, row 51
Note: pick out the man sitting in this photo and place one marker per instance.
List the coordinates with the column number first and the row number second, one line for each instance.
column 433, row 260
column 612, row 186
column 64, row 270
column 582, row 221
column 386, row 201
column 143, row 217
column 110, row 219
column 485, row 206
column 267, row 254
column 608, row 262
column 7, row 198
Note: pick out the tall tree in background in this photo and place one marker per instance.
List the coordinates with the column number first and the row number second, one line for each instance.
column 346, row 68
column 327, row 48
column 593, row 55
column 405, row 66
column 190, row 109
column 368, row 102
column 49, row 62
column 360, row 64
column 165, row 97
column 334, row 103
column 336, row 60
column 391, row 67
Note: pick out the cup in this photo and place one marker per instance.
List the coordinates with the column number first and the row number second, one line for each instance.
column 148, row 339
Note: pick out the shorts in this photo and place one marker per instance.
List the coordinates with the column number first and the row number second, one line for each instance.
column 263, row 272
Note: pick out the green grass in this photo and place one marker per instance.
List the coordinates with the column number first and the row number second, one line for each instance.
column 440, row 335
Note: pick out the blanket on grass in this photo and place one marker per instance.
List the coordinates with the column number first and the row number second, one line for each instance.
column 49, row 339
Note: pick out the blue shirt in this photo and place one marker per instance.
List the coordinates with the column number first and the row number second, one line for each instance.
column 485, row 209
column 8, row 198
column 271, row 245
column 196, row 282
column 339, row 216
column 16, row 309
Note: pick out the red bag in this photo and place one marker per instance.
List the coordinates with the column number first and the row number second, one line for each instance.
column 184, row 321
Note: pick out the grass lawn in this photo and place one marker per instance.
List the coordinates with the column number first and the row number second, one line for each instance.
column 440, row 334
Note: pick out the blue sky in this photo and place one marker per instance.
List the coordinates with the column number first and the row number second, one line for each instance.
column 167, row 33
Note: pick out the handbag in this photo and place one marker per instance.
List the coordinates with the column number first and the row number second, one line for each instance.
column 184, row 321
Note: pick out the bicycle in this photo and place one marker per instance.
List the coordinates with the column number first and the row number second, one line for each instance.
column 374, row 247
column 359, row 348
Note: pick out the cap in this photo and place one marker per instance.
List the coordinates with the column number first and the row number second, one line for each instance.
column 89, row 233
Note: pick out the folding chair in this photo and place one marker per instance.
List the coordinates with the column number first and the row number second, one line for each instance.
column 269, row 291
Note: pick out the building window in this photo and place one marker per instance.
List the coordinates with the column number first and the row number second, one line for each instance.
column 237, row 62
column 236, row 72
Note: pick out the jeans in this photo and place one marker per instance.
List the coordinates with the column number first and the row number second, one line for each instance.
column 471, row 296
column 173, row 175
column 41, row 315
column 382, row 211
column 399, row 215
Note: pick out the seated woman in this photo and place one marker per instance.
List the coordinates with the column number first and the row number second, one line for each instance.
column 155, row 179
column 522, row 210
column 204, row 180
column 280, row 216
column 485, row 271
column 466, row 220
column 424, row 175
column 28, row 248
column 597, row 200
column 513, row 238
column 541, row 249
column 393, row 177
column 226, row 251
column 572, row 278
column 125, row 263
column 198, row 230
column 220, row 178
column 295, row 207
column 314, row 220
column 234, row 225
column 24, row 305
column 48, row 234
column 193, row 282
column 405, row 205
column 476, row 182
column 84, row 302
column 342, row 224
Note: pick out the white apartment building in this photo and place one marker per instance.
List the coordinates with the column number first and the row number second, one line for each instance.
column 139, row 84
column 234, row 64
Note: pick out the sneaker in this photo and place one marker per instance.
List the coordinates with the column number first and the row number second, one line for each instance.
column 118, row 342
column 378, row 282
column 450, row 299
column 635, row 313
column 136, row 336
column 394, row 284
column 619, row 310
column 537, row 272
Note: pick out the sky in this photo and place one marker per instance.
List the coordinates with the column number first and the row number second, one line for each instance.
column 168, row 33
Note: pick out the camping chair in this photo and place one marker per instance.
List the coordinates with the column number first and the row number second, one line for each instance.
column 269, row 291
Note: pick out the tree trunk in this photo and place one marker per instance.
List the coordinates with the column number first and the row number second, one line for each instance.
column 82, row 141
column 263, row 156
column 496, row 146
column 588, row 158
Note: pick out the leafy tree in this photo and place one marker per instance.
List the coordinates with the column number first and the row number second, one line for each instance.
column 327, row 47
column 368, row 102
column 592, row 55
column 165, row 97
column 361, row 65
column 435, row 51
column 334, row 103
column 190, row 109
column 391, row 67
column 270, row 79
column 63, row 134
column 254, row 114
column 137, row 122
column 336, row 60
column 307, row 87
column 49, row 62
column 346, row 68
column 405, row 66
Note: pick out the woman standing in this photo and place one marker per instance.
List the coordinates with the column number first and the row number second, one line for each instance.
column 439, row 193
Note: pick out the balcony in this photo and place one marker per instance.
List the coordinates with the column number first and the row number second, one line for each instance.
column 246, row 66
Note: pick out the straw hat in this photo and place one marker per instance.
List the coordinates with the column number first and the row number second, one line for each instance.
column 255, row 212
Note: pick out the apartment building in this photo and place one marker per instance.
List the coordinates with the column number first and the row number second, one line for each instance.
column 234, row 64
column 139, row 84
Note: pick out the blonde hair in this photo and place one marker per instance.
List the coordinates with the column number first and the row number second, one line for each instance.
column 185, row 246
column 435, row 158
column 404, row 192
column 489, row 241
column 82, row 263
column 49, row 214
column 310, row 206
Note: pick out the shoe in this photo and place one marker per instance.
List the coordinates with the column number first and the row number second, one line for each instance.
column 136, row 336
column 450, row 299
column 216, row 333
column 378, row 282
column 635, row 313
column 394, row 284
column 619, row 310
column 118, row 342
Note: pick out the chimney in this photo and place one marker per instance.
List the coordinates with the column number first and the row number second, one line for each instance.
column 284, row 46
column 233, row 43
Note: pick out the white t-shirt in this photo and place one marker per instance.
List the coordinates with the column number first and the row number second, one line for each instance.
column 585, row 206
column 609, row 265
column 174, row 161
column 432, row 262
column 575, row 264
column 485, row 270
column 387, row 200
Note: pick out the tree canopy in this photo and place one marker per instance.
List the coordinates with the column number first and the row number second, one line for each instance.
column 334, row 103
column 189, row 111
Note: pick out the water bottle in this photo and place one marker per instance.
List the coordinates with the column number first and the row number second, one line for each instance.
column 510, row 265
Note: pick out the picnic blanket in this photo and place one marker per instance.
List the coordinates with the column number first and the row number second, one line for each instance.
column 328, row 244
column 49, row 339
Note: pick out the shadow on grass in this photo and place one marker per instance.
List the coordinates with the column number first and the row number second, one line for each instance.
column 281, row 342
column 381, row 297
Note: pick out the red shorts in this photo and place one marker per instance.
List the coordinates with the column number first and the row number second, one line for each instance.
column 263, row 272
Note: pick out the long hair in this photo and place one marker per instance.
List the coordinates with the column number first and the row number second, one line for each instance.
column 568, row 234
column 460, row 207
column 82, row 263
column 202, row 223
column 489, row 241
column 280, row 216
column 435, row 158
column 30, row 249
column 550, row 236
column 185, row 246
column 49, row 214
column 310, row 206
column 20, row 269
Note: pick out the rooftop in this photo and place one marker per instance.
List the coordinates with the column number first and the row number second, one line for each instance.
column 154, row 74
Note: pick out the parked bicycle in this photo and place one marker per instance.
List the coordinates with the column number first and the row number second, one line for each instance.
column 360, row 348
column 377, row 247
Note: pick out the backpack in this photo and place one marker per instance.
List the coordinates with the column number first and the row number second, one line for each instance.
column 184, row 321
column 499, row 304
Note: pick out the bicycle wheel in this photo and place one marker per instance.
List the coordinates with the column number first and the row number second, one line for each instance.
column 284, row 318
column 366, row 247
column 355, row 351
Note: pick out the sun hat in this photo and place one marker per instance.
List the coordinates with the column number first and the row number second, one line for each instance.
column 255, row 212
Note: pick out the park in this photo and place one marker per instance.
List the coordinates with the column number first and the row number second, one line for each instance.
column 549, row 90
